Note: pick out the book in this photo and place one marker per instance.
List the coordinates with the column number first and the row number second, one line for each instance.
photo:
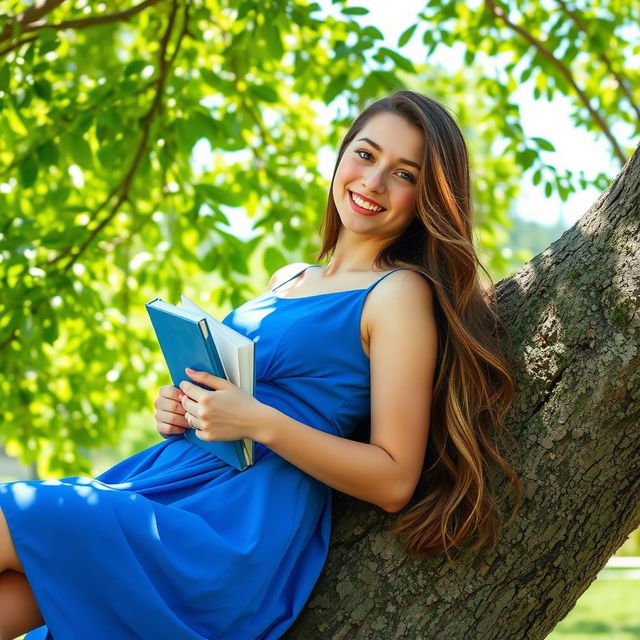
column 190, row 337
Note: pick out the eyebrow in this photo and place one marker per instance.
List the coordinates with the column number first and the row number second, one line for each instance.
column 375, row 145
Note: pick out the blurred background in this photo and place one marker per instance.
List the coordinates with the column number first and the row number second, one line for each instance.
column 168, row 147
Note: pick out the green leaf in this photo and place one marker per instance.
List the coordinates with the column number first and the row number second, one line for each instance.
column 5, row 76
column 355, row 11
column 263, row 92
column 208, row 126
column 526, row 158
column 24, row 97
column 28, row 170
column 49, row 325
column 222, row 86
column 400, row 61
column 406, row 35
column 55, row 240
column 274, row 41
column 372, row 32
column 42, row 88
column 219, row 195
column 336, row 86
column 239, row 263
column 544, row 144
column 47, row 153
column 83, row 123
column 187, row 133
column 48, row 45
column 293, row 187
column 244, row 9
column 134, row 67
column 79, row 149
column 29, row 53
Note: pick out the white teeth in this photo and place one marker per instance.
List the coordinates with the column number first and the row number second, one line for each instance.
column 363, row 203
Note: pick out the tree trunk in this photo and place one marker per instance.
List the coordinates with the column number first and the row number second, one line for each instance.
column 574, row 318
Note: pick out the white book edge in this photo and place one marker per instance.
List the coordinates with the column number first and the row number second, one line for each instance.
column 236, row 354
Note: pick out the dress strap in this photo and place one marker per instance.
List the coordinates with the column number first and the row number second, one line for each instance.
column 295, row 276
column 382, row 278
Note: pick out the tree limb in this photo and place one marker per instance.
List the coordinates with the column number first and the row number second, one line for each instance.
column 124, row 187
column 499, row 12
column 80, row 23
column 28, row 16
column 605, row 58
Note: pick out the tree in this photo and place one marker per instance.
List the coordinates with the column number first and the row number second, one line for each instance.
column 574, row 317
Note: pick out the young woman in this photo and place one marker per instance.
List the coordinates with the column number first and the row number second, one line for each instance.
column 174, row 543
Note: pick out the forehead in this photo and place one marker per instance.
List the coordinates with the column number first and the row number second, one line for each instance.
column 395, row 135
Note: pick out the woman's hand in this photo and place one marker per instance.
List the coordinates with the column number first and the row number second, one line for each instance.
column 169, row 416
column 226, row 413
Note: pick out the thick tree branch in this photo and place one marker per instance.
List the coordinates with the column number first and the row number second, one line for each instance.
column 573, row 313
column 500, row 13
column 579, row 22
column 80, row 23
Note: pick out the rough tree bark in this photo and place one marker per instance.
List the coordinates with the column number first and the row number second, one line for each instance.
column 574, row 318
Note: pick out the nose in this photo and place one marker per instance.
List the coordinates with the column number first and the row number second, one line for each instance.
column 373, row 180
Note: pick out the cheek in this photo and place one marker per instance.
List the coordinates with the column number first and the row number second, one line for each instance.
column 348, row 170
column 405, row 199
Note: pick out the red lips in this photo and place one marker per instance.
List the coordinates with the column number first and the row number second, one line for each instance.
column 369, row 200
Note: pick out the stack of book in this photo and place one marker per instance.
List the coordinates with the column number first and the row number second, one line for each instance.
column 190, row 337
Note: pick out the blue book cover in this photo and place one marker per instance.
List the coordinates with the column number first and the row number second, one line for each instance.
column 186, row 341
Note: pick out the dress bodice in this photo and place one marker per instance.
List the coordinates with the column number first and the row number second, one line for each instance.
column 310, row 363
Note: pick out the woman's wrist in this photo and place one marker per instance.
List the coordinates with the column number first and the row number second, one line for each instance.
column 262, row 430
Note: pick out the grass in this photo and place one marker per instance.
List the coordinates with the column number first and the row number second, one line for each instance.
column 607, row 610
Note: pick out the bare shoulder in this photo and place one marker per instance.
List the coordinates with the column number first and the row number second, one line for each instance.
column 283, row 273
column 404, row 284
column 402, row 297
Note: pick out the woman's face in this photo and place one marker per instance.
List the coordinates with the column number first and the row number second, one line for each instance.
column 381, row 168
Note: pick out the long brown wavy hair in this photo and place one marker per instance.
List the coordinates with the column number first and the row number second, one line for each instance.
column 473, row 389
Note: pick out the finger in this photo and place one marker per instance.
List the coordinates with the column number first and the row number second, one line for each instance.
column 169, row 429
column 192, row 407
column 171, row 418
column 173, row 406
column 171, row 392
column 193, row 390
column 193, row 422
column 208, row 379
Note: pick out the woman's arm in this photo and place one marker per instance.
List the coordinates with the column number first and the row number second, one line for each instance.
column 403, row 348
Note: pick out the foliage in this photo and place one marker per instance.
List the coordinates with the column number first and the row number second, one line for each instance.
column 104, row 205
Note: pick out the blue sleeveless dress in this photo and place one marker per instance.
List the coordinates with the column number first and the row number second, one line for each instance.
column 174, row 544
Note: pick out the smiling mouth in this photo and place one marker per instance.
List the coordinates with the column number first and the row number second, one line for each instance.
column 365, row 204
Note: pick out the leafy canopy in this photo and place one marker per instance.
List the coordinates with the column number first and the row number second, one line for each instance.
column 105, row 202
